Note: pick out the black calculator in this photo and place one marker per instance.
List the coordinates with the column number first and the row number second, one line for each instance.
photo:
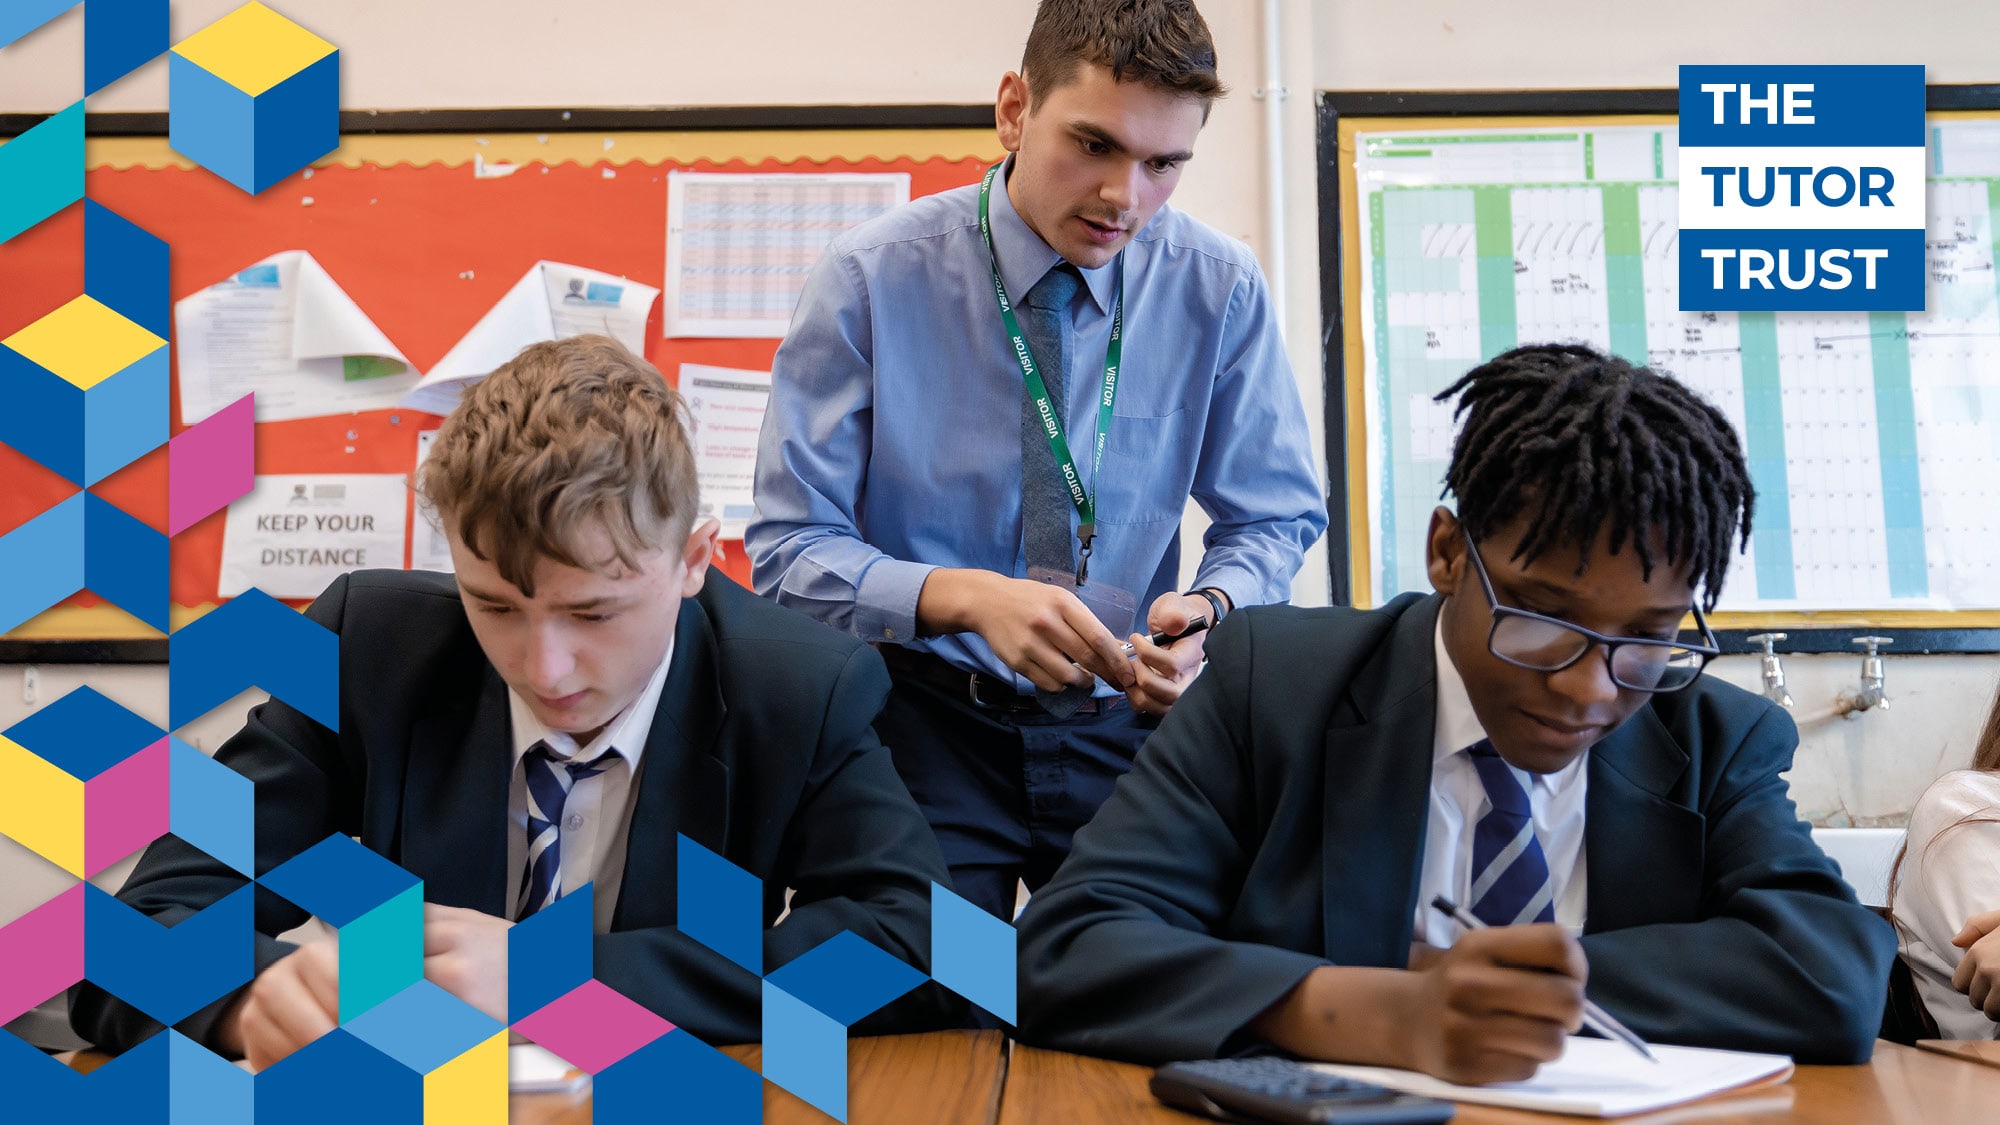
column 1268, row 1088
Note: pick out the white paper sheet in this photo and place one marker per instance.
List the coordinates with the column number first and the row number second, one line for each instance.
column 537, row 1070
column 552, row 301
column 725, row 411
column 1595, row 1078
column 428, row 548
column 293, row 535
column 286, row 330
column 739, row 244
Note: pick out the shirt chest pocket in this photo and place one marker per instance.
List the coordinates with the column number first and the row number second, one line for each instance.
column 1148, row 468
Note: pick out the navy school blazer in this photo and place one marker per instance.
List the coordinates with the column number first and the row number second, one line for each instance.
column 761, row 750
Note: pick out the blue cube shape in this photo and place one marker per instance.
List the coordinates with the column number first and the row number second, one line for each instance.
column 253, row 97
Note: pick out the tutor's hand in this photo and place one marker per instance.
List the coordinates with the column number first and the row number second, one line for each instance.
column 1498, row 1004
column 1044, row 632
column 1163, row 672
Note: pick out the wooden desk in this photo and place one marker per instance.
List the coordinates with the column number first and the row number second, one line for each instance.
column 1902, row 1086
column 943, row 1077
column 1977, row 1050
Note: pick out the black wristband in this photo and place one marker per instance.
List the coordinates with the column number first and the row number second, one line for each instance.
column 1214, row 601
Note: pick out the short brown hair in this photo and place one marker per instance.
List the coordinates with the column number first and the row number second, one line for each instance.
column 566, row 438
column 1161, row 42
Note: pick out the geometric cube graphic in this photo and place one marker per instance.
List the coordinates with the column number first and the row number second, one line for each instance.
column 809, row 1005
column 125, row 561
column 253, row 97
column 119, row 36
column 212, row 952
column 83, row 782
column 124, row 265
column 549, row 953
column 845, row 978
column 212, row 807
column 805, row 1052
column 19, row 17
column 593, row 1026
column 43, row 952
column 460, row 1051
column 973, row 953
column 339, row 880
column 699, row 1082
column 719, row 905
column 210, row 464
column 253, row 640
column 203, row 1088
column 41, row 171
column 382, row 953
column 88, row 390
column 42, row 559
column 130, row 1089
column 339, row 1080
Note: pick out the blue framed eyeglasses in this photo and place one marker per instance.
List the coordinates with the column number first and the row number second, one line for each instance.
column 1541, row 643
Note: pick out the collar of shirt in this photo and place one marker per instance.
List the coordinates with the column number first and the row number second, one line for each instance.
column 1457, row 726
column 625, row 736
column 1025, row 258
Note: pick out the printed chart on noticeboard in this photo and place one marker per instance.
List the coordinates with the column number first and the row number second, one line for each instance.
column 1873, row 439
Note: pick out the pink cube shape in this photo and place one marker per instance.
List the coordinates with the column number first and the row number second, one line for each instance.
column 43, row 952
column 126, row 807
column 591, row 1026
column 210, row 464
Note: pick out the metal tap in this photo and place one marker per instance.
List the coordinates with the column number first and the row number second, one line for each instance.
column 1774, row 672
column 1871, row 696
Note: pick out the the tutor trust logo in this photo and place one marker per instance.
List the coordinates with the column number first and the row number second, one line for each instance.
column 1802, row 188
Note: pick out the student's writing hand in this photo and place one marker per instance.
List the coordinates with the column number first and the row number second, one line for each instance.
column 1043, row 632
column 1978, row 974
column 1164, row 671
column 1423, row 955
column 291, row 1003
column 465, row 953
column 1498, row 1004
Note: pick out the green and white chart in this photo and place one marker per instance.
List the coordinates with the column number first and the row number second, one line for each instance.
column 1873, row 439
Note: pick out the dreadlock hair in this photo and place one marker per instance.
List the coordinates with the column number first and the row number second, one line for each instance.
column 1573, row 437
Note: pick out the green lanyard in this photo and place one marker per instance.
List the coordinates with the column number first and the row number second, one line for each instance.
column 1084, row 502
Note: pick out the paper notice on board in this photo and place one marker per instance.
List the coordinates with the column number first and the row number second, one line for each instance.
column 725, row 412
column 293, row 535
column 739, row 244
column 286, row 330
column 428, row 547
column 552, row 301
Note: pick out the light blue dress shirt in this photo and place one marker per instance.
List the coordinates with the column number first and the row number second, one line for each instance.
column 892, row 445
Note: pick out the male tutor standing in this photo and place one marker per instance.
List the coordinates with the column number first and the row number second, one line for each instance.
column 987, row 420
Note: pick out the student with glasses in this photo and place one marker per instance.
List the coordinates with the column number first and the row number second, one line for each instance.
column 1534, row 741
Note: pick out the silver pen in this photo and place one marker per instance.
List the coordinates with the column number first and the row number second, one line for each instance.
column 1194, row 626
column 1594, row 1017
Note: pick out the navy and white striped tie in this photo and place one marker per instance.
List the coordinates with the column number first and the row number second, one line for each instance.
column 550, row 777
column 1510, row 875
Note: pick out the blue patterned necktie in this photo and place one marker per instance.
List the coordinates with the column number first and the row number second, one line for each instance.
column 1046, row 534
column 1510, row 875
column 550, row 777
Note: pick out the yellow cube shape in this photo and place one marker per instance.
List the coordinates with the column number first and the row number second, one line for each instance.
column 85, row 342
column 41, row 807
column 253, row 48
column 470, row 1089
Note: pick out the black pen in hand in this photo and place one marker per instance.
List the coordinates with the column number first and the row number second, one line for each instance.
column 1594, row 1017
column 1195, row 626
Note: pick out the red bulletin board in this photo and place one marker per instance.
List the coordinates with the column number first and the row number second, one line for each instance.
column 425, row 248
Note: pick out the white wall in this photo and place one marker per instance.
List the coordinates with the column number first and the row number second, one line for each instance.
column 493, row 53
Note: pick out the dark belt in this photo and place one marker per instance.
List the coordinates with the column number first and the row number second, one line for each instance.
column 982, row 691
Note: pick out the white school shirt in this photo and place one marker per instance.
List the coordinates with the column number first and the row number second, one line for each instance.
column 597, row 815
column 1951, row 871
column 1458, row 800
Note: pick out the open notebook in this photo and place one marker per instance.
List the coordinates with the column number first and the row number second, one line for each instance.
column 1597, row 1078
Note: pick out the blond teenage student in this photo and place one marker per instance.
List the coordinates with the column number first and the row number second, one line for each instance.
column 582, row 692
